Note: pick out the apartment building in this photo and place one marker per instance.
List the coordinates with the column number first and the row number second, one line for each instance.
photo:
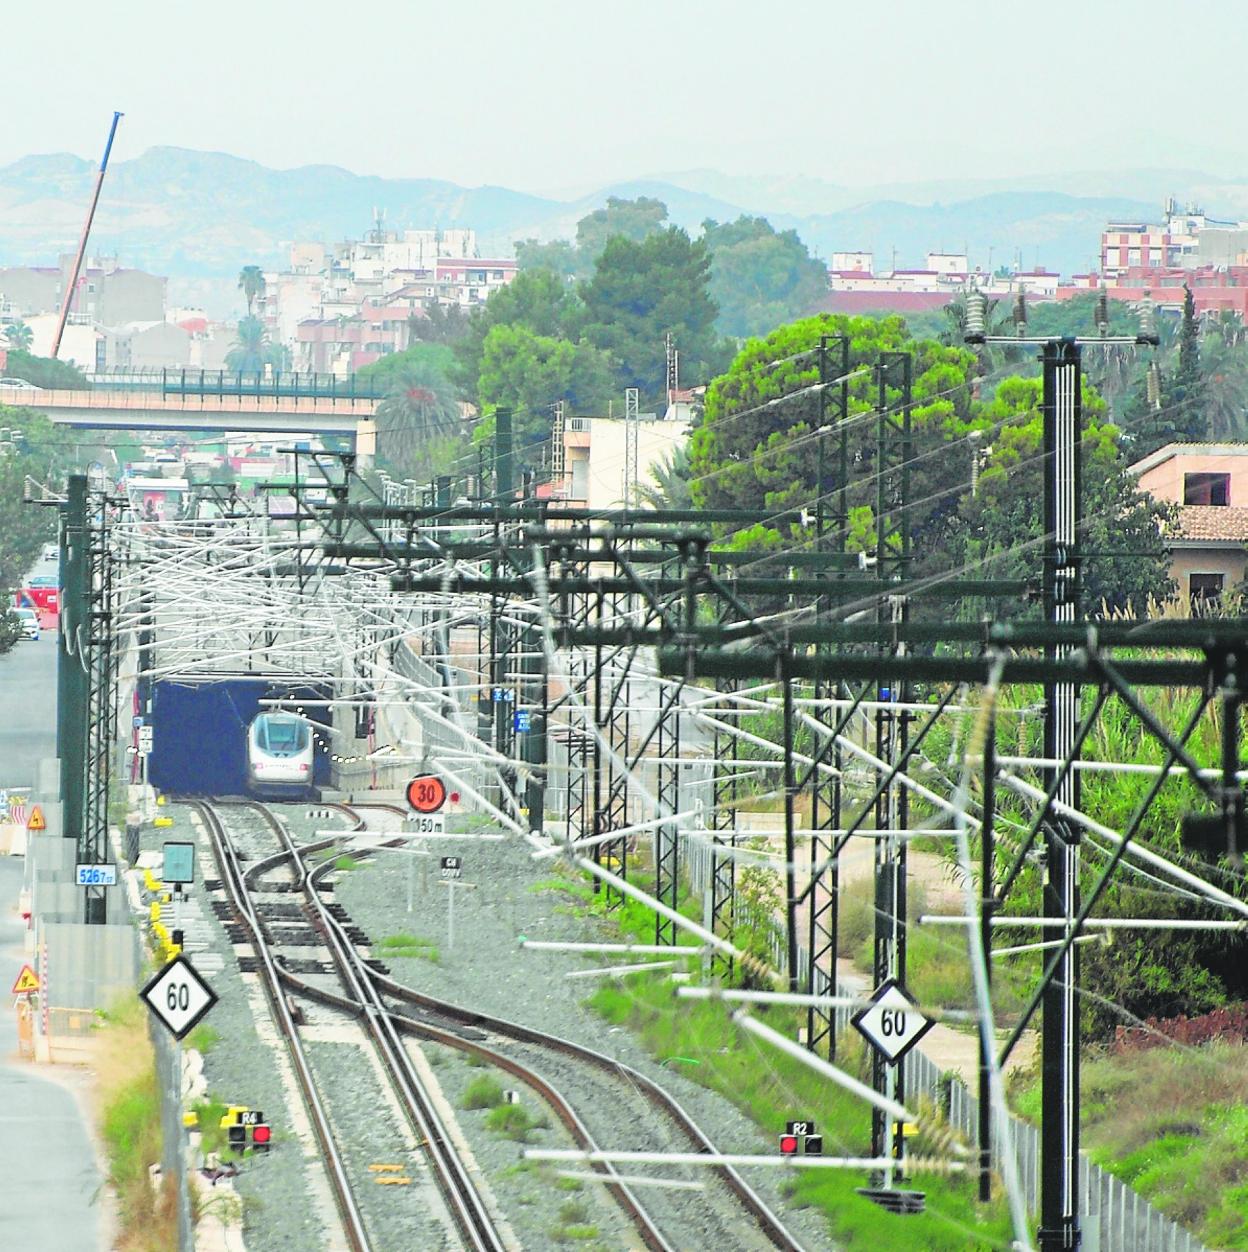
column 595, row 470
column 1186, row 238
column 1208, row 539
column 343, row 306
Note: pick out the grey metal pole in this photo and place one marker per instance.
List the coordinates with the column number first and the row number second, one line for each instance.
column 1062, row 408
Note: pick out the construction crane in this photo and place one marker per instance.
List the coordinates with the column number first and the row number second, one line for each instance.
column 72, row 285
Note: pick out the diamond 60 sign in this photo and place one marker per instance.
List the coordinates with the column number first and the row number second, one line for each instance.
column 892, row 1021
column 178, row 996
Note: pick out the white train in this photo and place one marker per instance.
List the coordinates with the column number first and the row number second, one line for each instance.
column 280, row 748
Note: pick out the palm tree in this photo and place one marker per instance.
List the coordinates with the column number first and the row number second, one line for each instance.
column 251, row 284
column 1228, row 326
column 251, row 343
column 671, row 481
column 19, row 336
column 419, row 412
column 1225, row 370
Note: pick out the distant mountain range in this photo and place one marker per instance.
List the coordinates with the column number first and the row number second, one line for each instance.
column 200, row 216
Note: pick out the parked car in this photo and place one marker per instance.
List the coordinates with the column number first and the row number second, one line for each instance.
column 50, row 552
column 30, row 623
column 17, row 384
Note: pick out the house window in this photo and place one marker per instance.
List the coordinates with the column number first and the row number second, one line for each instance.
column 580, row 480
column 1206, row 488
column 1204, row 588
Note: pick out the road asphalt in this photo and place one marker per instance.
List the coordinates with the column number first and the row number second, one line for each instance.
column 50, row 1179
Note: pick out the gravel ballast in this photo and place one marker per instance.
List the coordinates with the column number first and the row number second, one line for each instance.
column 279, row 1214
column 487, row 970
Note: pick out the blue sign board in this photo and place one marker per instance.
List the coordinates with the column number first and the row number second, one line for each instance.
column 522, row 719
column 96, row 875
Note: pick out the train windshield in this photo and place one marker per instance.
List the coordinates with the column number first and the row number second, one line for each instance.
column 283, row 735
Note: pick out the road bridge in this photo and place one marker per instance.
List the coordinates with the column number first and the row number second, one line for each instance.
column 112, row 409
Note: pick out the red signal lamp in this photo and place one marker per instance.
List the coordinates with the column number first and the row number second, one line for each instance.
column 788, row 1145
column 262, row 1136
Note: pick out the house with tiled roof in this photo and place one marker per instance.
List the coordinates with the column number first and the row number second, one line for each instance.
column 1208, row 538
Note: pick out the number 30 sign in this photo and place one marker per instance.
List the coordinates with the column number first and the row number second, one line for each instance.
column 426, row 793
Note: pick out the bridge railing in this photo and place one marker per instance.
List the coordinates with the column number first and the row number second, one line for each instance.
column 297, row 384
column 180, row 381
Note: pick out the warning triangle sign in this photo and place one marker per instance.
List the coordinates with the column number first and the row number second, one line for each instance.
column 26, row 982
column 36, row 820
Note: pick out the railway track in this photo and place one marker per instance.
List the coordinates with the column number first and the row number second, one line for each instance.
column 475, row 1225
column 390, row 1009
column 230, row 866
column 513, row 1047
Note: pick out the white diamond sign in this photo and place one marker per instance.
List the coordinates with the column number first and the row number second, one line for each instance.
column 178, row 996
column 892, row 1022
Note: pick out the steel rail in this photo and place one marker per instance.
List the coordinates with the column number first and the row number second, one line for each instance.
column 234, row 880
column 468, row 1209
column 769, row 1222
column 651, row 1235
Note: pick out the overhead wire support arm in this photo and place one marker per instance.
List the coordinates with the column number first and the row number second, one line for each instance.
column 1074, row 928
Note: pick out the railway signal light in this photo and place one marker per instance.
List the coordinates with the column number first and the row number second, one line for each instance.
column 800, row 1135
column 238, row 1121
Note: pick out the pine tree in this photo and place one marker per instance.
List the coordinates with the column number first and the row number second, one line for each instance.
column 1187, row 398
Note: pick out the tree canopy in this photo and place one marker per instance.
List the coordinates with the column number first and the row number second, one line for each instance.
column 634, row 220
column 253, row 349
column 760, row 278
column 1122, row 533
column 419, row 427
column 18, row 335
column 528, row 372
column 758, row 442
column 251, row 284
column 43, row 371
column 42, row 451
column 642, row 291
column 537, row 300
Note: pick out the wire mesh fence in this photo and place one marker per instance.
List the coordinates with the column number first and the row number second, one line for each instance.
column 1115, row 1218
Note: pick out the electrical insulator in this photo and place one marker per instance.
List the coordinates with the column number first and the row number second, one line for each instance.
column 1148, row 317
column 1152, row 384
column 1102, row 314
column 1020, row 314
column 976, row 312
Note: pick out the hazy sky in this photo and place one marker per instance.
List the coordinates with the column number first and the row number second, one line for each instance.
column 547, row 95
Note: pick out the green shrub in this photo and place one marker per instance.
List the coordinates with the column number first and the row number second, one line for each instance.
column 483, row 1092
column 573, row 1212
column 513, row 1121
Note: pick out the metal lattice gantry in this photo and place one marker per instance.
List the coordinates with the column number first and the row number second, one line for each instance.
column 812, row 677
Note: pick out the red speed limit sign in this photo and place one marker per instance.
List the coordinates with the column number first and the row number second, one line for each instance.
column 426, row 793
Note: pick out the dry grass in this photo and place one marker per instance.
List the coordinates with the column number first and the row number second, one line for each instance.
column 1172, row 1123
column 128, row 1113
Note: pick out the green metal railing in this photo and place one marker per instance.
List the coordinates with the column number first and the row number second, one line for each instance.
column 292, row 384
